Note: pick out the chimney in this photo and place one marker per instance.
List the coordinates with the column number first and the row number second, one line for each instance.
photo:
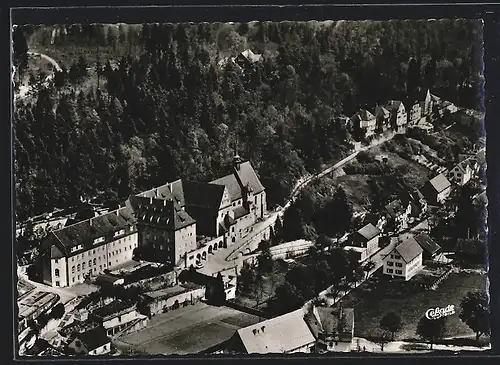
column 90, row 222
column 151, row 200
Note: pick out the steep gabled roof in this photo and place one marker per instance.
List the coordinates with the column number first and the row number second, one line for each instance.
column 162, row 212
column 203, row 195
column 84, row 233
column 380, row 111
column 368, row 232
column 250, row 56
column 278, row 335
column 427, row 243
column 440, row 183
column 394, row 105
column 241, row 177
column 408, row 249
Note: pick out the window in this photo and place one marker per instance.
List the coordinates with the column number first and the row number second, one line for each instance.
column 397, row 257
column 399, row 272
column 390, row 263
column 94, row 261
column 56, row 261
column 83, row 266
column 72, row 259
column 389, row 271
column 130, row 247
column 392, row 256
column 78, row 277
column 72, row 269
column 399, row 264
column 100, row 267
column 73, row 280
column 78, row 267
column 57, row 273
column 90, row 263
column 57, row 283
column 109, row 264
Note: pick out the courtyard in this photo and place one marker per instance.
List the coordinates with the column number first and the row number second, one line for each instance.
column 187, row 330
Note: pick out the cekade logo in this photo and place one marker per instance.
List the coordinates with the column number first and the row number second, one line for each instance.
column 436, row 313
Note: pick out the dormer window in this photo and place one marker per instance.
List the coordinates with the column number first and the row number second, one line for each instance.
column 76, row 248
column 98, row 240
column 119, row 233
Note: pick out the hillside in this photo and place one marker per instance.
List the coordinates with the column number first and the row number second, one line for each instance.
column 167, row 107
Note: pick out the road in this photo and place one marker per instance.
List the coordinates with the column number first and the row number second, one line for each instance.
column 47, row 58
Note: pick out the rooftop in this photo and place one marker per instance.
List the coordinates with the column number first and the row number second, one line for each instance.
column 94, row 338
column 440, row 183
column 243, row 175
column 278, row 335
column 113, row 308
column 395, row 208
column 368, row 232
column 409, row 249
column 427, row 243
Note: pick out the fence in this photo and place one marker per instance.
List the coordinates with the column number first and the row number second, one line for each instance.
column 447, row 273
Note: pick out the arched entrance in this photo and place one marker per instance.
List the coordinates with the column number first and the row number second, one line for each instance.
column 221, row 244
column 176, row 305
column 209, row 249
column 215, row 247
column 204, row 255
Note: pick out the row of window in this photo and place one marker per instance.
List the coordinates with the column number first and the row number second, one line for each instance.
column 395, row 256
column 98, row 249
column 390, row 271
column 398, row 264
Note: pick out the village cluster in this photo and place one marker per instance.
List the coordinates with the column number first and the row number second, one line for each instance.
column 175, row 239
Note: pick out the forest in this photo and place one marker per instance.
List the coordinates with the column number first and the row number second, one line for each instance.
column 162, row 105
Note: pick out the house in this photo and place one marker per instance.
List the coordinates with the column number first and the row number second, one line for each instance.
column 333, row 328
column 398, row 213
column 92, row 342
column 119, row 316
column 405, row 260
column 426, row 102
column 437, row 190
column 430, row 248
column 417, row 201
column 461, row 174
column 383, row 118
column 364, row 242
column 286, row 334
column 364, row 124
column 398, row 115
column 247, row 58
column 379, row 221
column 415, row 113
column 87, row 248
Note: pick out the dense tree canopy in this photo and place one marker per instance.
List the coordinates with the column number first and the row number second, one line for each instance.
column 169, row 106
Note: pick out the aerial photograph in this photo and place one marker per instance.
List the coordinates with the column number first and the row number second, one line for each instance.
column 311, row 187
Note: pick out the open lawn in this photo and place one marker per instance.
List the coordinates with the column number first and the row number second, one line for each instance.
column 374, row 299
column 357, row 189
column 188, row 330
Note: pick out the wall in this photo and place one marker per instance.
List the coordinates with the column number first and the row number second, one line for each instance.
column 104, row 349
column 185, row 241
column 169, row 278
column 107, row 256
column 58, row 266
column 413, row 267
column 120, row 319
column 395, row 259
column 158, row 305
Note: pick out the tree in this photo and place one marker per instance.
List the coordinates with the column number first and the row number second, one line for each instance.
column 382, row 339
column 475, row 312
column 265, row 259
column 392, row 323
column 246, row 279
column 58, row 311
column 431, row 329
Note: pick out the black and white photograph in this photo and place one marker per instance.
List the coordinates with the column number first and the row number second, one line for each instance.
column 266, row 187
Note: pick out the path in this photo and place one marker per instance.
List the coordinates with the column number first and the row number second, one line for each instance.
column 397, row 346
column 47, row 58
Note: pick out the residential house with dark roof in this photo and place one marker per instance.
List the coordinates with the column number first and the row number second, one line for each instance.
column 398, row 115
column 286, row 334
column 430, row 248
column 437, row 190
column 397, row 213
column 333, row 327
column 416, row 199
column 364, row 242
column 364, row 124
column 92, row 342
column 383, row 118
column 87, row 248
column 405, row 260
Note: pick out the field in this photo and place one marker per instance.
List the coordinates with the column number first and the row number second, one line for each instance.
column 188, row 330
column 372, row 300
